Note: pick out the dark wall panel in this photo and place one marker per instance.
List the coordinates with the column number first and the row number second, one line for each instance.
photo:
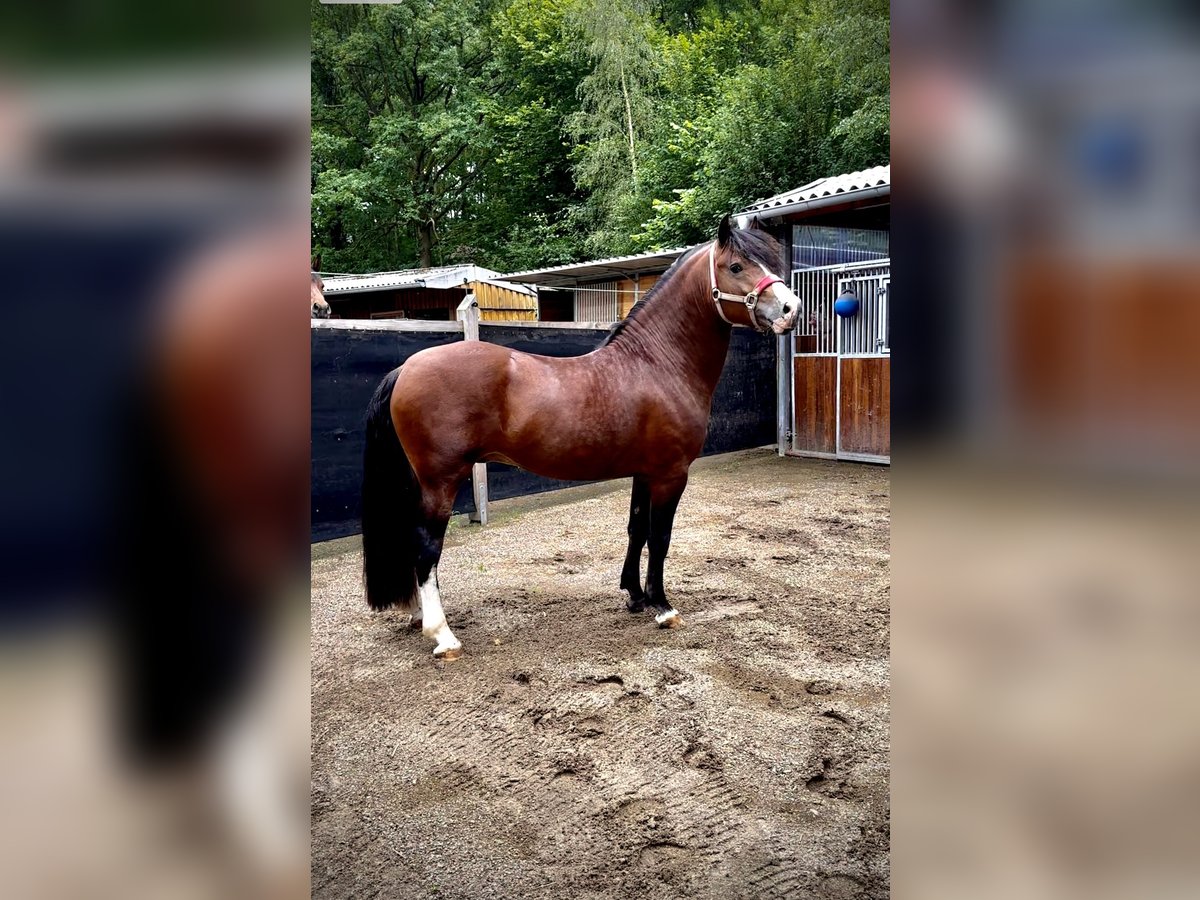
column 348, row 364
column 743, row 407
column 546, row 341
column 82, row 288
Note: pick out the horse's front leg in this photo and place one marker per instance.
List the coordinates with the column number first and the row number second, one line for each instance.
column 639, row 531
column 664, row 500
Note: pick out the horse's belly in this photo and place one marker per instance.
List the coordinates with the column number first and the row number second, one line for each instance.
column 564, row 466
column 498, row 458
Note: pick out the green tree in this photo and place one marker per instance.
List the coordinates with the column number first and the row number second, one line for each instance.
column 814, row 103
column 617, row 112
column 522, row 133
column 528, row 199
column 399, row 134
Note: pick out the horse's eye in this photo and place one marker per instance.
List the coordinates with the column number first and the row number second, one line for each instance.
column 735, row 268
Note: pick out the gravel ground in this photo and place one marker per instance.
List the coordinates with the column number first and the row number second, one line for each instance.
column 578, row 751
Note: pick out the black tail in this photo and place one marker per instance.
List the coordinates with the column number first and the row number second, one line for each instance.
column 391, row 504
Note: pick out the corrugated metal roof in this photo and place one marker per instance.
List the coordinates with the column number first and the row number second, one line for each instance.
column 824, row 191
column 618, row 266
column 439, row 277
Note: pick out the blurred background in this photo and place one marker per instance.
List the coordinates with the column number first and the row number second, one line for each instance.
column 1047, row 281
column 154, row 471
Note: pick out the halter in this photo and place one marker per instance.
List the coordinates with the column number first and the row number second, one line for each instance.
column 746, row 303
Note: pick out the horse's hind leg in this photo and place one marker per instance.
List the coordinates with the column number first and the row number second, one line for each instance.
column 431, row 534
column 664, row 500
column 639, row 531
column 433, row 623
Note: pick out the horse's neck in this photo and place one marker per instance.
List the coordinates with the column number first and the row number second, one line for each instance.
column 678, row 334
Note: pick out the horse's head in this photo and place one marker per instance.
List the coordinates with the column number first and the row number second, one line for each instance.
column 742, row 265
column 320, row 306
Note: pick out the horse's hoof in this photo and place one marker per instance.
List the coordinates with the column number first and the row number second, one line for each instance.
column 669, row 619
column 415, row 624
column 635, row 608
column 449, row 654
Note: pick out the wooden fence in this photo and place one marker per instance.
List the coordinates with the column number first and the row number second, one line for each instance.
column 498, row 303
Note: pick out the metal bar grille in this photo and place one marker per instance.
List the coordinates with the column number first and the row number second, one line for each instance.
column 597, row 302
column 864, row 334
column 817, row 329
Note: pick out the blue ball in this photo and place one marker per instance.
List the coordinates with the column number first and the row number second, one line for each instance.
column 846, row 306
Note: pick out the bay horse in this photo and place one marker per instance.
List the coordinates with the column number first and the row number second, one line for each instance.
column 636, row 406
column 316, row 297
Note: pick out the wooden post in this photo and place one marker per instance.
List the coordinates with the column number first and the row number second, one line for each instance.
column 468, row 314
column 783, row 393
column 784, row 363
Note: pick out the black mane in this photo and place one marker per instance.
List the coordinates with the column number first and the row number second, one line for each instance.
column 751, row 243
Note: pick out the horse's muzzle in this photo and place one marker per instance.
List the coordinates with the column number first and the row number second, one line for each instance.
column 784, row 324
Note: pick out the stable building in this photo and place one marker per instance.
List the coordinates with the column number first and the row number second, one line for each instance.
column 835, row 372
column 600, row 290
column 431, row 294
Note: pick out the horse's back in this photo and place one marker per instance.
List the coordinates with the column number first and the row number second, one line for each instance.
column 467, row 375
column 477, row 371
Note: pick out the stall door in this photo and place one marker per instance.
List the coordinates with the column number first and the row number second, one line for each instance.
column 841, row 377
column 864, row 376
column 815, row 364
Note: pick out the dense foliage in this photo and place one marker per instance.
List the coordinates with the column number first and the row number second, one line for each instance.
column 521, row 133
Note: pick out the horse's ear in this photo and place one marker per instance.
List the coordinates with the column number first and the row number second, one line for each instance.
column 724, row 232
column 754, row 224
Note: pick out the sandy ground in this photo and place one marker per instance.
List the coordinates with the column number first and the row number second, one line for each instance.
column 578, row 751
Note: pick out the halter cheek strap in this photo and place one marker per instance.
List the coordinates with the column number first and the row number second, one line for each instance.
column 744, row 304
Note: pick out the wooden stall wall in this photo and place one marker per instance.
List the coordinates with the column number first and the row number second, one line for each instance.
column 631, row 290
column 866, row 404
column 1099, row 359
column 814, row 386
column 431, row 304
column 499, row 304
